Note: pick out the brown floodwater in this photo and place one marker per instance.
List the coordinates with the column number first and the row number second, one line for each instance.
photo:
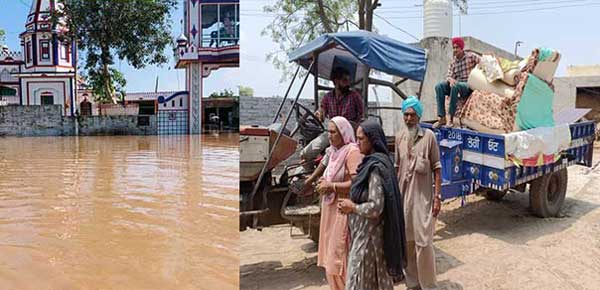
column 119, row 212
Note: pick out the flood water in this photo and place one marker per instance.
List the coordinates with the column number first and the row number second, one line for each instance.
column 119, row 212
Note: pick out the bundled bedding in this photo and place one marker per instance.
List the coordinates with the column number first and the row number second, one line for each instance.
column 496, row 106
column 515, row 98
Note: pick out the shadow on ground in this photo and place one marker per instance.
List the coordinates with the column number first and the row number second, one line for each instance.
column 273, row 275
column 511, row 219
column 449, row 285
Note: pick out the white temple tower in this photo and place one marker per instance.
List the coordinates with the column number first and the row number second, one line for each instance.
column 48, row 77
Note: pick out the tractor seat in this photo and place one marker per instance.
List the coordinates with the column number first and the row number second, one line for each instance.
column 302, row 210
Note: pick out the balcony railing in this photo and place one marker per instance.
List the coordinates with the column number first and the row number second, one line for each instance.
column 221, row 38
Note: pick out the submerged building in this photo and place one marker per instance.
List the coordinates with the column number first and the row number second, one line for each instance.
column 44, row 71
column 210, row 40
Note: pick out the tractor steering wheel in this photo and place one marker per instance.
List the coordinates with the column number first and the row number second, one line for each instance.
column 308, row 117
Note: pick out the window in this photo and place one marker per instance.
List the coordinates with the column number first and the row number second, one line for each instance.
column 143, row 121
column 147, row 108
column 47, row 99
column 173, row 103
column 4, row 75
column 45, row 49
column 64, row 52
column 86, row 108
column 181, row 102
column 220, row 25
column 8, row 92
column 28, row 52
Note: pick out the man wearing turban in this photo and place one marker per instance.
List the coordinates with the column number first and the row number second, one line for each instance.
column 417, row 161
column 455, row 84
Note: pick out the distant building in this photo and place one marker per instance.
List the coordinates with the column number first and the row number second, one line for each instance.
column 580, row 88
column 172, row 108
column 210, row 40
column 221, row 114
column 45, row 70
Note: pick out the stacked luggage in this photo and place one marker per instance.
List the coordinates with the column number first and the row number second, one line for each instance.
column 511, row 96
column 515, row 99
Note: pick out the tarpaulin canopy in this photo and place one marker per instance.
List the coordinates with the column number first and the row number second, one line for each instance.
column 367, row 50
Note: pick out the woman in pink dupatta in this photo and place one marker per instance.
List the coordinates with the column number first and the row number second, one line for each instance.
column 343, row 159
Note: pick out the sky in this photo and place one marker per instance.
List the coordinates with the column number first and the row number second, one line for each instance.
column 571, row 30
column 571, row 27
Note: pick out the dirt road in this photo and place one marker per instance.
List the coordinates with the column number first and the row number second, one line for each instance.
column 482, row 245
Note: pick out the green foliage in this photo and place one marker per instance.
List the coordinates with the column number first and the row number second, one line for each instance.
column 2, row 35
column 297, row 22
column 223, row 94
column 246, row 91
column 137, row 31
column 97, row 80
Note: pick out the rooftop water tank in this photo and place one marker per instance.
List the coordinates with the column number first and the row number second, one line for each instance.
column 437, row 21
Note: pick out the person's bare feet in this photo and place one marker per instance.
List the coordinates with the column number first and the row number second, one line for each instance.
column 441, row 122
column 450, row 123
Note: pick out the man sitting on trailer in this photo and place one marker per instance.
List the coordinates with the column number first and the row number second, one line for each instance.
column 341, row 101
column 418, row 163
column 455, row 84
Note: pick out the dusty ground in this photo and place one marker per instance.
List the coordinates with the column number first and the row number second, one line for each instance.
column 483, row 245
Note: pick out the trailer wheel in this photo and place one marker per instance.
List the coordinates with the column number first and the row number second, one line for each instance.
column 547, row 193
column 494, row 195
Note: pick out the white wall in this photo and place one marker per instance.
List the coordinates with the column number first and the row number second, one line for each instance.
column 34, row 88
column 565, row 90
column 177, row 103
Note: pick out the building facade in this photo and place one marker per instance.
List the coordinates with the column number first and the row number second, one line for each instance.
column 210, row 40
column 44, row 72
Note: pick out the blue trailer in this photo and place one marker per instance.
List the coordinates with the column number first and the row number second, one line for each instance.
column 474, row 162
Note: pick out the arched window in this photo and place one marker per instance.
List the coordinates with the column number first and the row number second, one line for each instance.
column 86, row 107
column 4, row 75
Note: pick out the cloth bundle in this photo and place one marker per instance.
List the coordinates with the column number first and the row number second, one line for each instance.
column 520, row 99
column 537, row 146
column 490, row 68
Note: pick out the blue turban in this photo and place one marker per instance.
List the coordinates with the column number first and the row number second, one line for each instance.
column 413, row 102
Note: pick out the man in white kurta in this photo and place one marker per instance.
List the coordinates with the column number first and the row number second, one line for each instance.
column 418, row 162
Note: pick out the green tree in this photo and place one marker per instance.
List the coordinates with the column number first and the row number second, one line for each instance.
column 223, row 94
column 2, row 33
column 96, row 80
column 297, row 22
column 137, row 31
column 246, row 91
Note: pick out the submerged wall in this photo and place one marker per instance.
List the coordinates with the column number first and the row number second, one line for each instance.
column 49, row 121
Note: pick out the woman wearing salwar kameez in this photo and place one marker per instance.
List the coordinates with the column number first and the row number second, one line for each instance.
column 375, row 216
column 343, row 159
